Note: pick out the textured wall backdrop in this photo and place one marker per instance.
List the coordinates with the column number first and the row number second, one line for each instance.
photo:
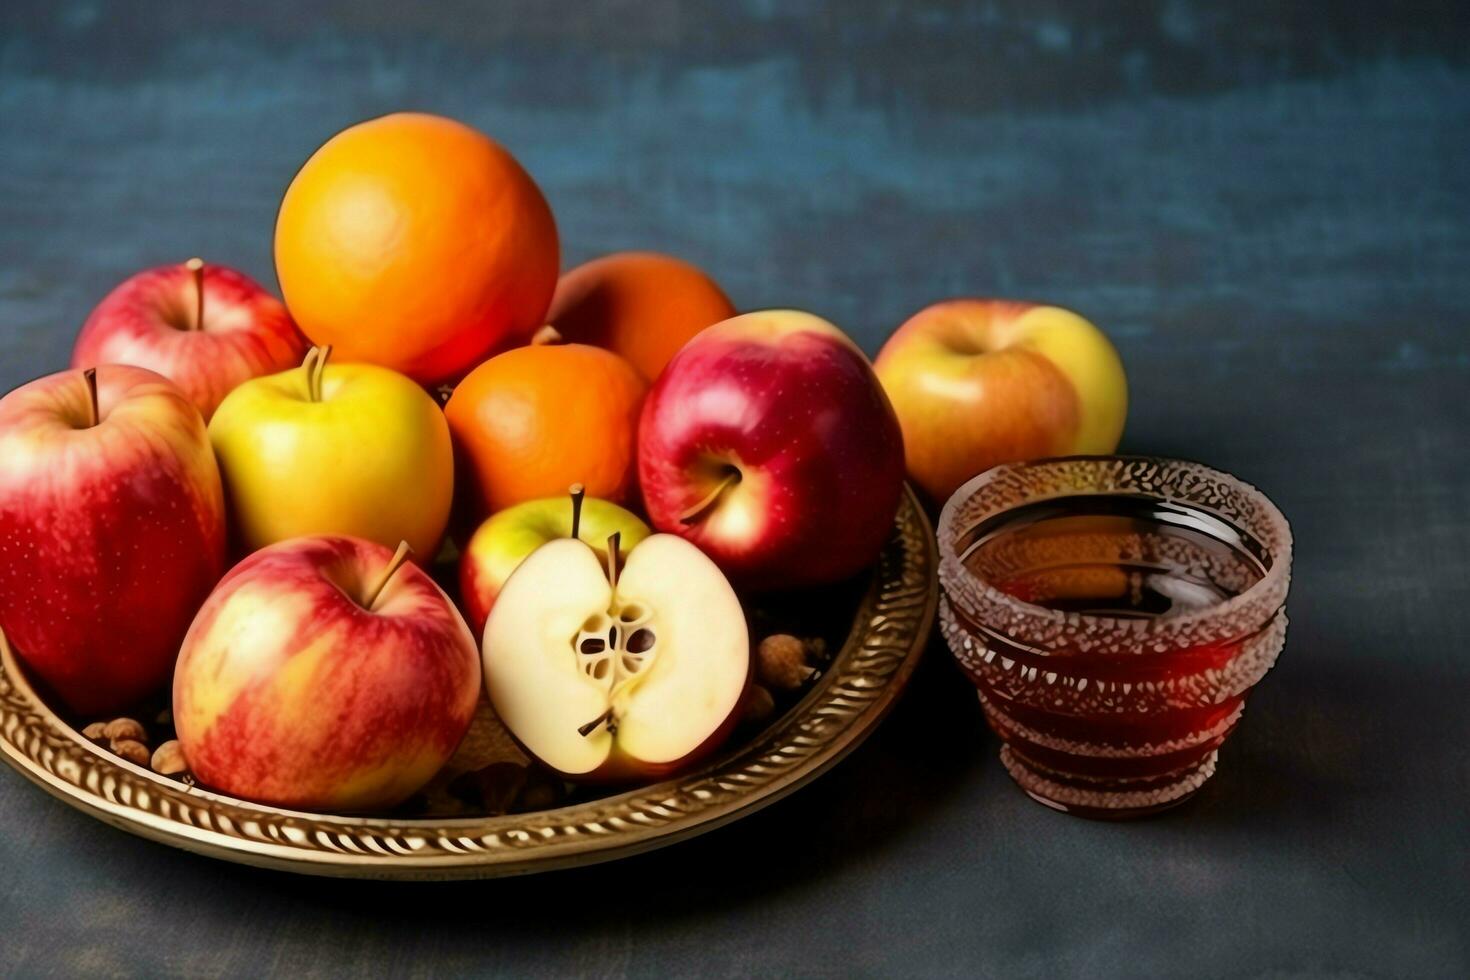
column 1266, row 203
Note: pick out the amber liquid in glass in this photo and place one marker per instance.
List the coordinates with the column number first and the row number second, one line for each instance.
column 1125, row 556
column 1120, row 555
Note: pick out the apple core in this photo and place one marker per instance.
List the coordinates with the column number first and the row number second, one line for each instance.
column 607, row 673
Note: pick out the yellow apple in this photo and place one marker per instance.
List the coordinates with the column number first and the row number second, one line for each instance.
column 979, row 382
column 346, row 449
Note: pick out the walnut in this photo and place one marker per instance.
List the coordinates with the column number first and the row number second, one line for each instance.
column 758, row 706
column 780, row 662
column 539, row 794
column 499, row 784
column 125, row 729
column 131, row 749
column 168, row 759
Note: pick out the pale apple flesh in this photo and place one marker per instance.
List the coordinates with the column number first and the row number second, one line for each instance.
column 604, row 681
column 153, row 320
column 111, row 531
column 503, row 541
column 293, row 689
column 977, row 383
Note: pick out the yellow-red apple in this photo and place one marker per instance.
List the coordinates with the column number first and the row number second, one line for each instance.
column 207, row 328
column 112, row 530
column 979, row 382
column 325, row 673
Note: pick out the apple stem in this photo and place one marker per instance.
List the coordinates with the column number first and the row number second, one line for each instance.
column 546, row 335
column 613, row 541
column 578, row 492
column 95, row 413
column 696, row 512
column 308, row 364
column 318, row 370
column 591, row 726
column 394, row 564
column 196, row 268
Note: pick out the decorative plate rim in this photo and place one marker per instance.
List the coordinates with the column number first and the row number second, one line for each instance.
column 888, row 635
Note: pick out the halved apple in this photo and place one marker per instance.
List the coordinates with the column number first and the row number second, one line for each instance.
column 606, row 676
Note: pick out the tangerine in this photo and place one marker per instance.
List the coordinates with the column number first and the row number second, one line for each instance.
column 642, row 305
column 530, row 422
column 415, row 242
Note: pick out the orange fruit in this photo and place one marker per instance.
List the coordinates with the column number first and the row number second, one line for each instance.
column 532, row 421
column 415, row 242
column 642, row 305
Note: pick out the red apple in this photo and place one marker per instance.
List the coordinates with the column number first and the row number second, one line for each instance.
column 325, row 673
column 769, row 443
column 205, row 327
column 112, row 530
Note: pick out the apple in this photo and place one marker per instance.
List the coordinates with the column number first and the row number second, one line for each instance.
column 979, row 382
column 112, row 530
column 504, row 540
column 325, row 673
column 352, row 449
column 768, row 442
column 206, row 328
column 611, row 677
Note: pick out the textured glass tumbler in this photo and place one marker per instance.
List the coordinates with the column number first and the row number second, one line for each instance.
column 1113, row 612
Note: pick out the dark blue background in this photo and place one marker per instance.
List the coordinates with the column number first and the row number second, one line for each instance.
column 1265, row 203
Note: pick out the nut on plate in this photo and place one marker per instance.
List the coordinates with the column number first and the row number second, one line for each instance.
column 780, row 662
column 125, row 729
column 168, row 759
column 132, row 750
column 759, row 705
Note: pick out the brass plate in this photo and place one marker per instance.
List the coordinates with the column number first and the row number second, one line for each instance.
column 884, row 644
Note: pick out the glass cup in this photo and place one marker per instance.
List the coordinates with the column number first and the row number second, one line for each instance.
column 1113, row 613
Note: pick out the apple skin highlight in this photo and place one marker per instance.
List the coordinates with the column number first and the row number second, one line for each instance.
column 288, row 691
column 111, row 535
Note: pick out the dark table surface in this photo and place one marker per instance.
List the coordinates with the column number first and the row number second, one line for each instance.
column 1267, row 205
